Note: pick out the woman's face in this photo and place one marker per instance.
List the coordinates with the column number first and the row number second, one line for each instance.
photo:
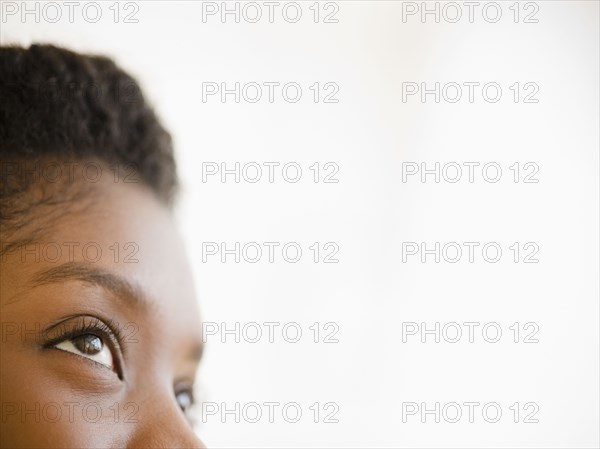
column 100, row 330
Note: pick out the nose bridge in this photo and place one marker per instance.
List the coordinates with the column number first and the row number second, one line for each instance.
column 161, row 424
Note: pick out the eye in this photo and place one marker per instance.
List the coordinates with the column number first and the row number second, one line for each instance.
column 185, row 399
column 89, row 346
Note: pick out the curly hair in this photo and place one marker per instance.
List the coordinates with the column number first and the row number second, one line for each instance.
column 67, row 106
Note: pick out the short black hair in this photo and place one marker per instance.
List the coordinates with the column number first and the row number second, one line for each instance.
column 55, row 103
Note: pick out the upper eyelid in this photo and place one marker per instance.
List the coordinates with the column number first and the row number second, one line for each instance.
column 66, row 330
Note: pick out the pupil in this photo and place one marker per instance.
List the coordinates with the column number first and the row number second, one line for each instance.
column 88, row 344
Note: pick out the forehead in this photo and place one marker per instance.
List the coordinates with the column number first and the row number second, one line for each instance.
column 111, row 226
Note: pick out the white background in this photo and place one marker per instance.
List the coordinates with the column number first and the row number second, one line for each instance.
column 369, row 133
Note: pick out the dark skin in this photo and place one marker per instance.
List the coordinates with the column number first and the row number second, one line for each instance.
column 99, row 354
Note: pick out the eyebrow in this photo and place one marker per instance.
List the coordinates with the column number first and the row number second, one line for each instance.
column 77, row 271
column 118, row 285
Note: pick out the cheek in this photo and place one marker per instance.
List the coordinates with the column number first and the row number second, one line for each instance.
column 43, row 408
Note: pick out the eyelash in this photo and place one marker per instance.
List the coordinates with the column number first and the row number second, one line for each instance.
column 107, row 332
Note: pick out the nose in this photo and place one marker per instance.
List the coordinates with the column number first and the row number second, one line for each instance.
column 164, row 427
